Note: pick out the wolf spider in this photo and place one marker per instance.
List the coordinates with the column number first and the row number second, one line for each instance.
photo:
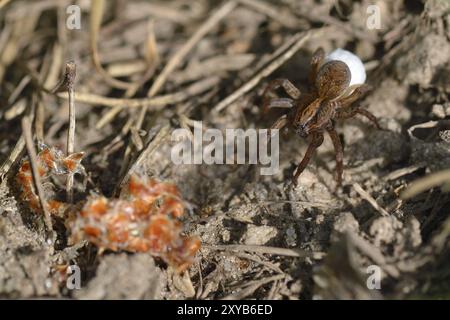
column 313, row 113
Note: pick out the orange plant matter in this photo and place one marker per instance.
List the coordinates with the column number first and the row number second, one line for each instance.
column 146, row 221
column 50, row 161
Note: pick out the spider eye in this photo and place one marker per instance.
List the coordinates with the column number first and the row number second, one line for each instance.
column 302, row 130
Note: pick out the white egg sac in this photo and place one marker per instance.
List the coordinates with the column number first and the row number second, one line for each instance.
column 353, row 62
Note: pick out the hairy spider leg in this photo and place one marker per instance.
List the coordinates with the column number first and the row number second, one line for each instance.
column 316, row 62
column 351, row 112
column 279, row 124
column 339, row 154
column 280, row 103
column 369, row 116
column 317, row 140
column 346, row 109
column 355, row 93
column 290, row 89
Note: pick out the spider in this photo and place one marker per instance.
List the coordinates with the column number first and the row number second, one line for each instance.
column 332, row 96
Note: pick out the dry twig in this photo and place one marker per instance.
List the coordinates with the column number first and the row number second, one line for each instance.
column 68, row 83
column 175, row 60
column 440, row 178
column 97, row 8
column 292, row 46
column 26, row 129
column 366, row 196
column 157, row 103
column 252, row 286
column 266, row 250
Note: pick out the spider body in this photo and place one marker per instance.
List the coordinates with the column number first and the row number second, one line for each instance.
column 332, row 96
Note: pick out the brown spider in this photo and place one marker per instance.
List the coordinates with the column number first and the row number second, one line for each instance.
column 311, row 114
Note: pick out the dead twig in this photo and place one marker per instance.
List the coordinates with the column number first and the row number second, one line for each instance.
column 145, row 154
column 292, row 46
column 97, row 8
column 285, row 18
column 156, row 102
column 425, row 125
column 306, row 204
column 3, row 3
column 366, row 196
column 216, row 65
column 252, row 286
column 179, row 56
column 26, row 129
column 440, row 178
column 267, row 250
column 7, row 164
column 373, row 253
column 71, row 73
column 257, row 260
column 68, row 83
column 404, row 171
column 152, row 59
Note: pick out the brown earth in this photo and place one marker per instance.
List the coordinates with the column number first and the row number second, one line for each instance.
column 262, row 237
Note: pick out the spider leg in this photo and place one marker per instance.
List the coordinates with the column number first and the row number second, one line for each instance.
column 316, row 61
column 339, row 154
column 279, row 124
column 369, row 116
column 351, row 112
column 281, row 103
column 313, row 145
column 290, row 89
column 357, row 91
column 345, row 109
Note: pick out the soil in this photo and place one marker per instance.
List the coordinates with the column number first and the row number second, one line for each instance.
column 262, row 237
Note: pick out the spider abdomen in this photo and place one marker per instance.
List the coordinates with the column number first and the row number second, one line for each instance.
column 332, row 79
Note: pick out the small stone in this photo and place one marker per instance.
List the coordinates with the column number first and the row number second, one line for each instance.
column 259, row 235
column 226, row 235
column 384, row 229
column 291, row 237
column 346, row 222
column 119, row 276
column 438, row 111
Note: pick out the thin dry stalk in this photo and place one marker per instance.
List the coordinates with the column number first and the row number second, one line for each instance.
column 284, row 18
column 157, row 103
column 267, row 250
column 26, row 129
column 71, row 130
column 366, row 196
column 294, row 44
column 3, row 3
column 97, row 8
column 7, row 164
column 183, row 52
column 145, row 154
column 251, row 286
column 433, row 180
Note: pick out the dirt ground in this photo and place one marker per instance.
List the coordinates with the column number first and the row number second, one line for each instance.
column 262, row 237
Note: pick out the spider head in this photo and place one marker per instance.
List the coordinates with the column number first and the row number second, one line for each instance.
column 302, row 130
column 311, row 118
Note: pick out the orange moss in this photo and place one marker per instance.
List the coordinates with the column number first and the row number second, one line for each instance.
column 50, row 161
column 144, row 222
